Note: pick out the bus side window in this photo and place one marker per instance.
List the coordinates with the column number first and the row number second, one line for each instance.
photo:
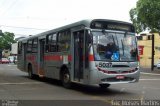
column 51, row 43
column 20, row 48
column 29, row 46
column 47, row 48
column 63, row 42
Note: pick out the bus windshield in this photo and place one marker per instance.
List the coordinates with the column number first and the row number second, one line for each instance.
column 114, row 46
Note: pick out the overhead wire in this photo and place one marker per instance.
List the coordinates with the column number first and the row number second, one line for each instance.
column 2, row 2
column 22, row 27
column 9, row 7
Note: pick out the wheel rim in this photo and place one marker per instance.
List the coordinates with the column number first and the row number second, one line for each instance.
column 66, row 77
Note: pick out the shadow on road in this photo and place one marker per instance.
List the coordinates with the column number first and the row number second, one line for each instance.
column 92, row 90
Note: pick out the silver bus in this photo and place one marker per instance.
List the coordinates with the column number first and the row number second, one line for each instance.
column 97, row 51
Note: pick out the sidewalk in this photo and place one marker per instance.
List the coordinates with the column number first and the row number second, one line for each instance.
column 148, row 70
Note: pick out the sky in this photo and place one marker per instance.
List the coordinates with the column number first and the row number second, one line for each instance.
column 30, row 17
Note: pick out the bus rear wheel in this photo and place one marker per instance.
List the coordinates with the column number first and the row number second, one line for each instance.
column 104, row 86
column 66, row 79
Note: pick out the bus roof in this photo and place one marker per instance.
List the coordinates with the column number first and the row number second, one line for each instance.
column 86, row 23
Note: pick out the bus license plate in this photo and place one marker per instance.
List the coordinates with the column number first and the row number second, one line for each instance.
column 120, row 77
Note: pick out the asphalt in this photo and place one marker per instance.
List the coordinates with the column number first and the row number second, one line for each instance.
column 148, row 70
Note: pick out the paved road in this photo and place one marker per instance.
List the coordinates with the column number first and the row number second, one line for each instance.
column 148, row 70
column 15, row 85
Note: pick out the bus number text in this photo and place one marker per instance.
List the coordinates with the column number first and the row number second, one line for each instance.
column 104, row 65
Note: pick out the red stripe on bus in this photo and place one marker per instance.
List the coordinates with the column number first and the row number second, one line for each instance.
column 69, row 58
column 31, row 58
column 91, row 57
column 53, row 57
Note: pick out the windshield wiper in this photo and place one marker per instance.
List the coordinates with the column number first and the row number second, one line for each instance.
column 125, row 34
column 122, row 47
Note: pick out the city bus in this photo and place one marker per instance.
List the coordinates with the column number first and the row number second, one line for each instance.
column 78, row 53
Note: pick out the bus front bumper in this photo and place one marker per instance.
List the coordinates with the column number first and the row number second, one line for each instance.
column 103, row 78
column 119, row 78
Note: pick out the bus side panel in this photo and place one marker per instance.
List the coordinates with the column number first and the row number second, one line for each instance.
column 20, row 62
column 21, row 57
column 53, row 63
column 33, row 61
column 94, row 78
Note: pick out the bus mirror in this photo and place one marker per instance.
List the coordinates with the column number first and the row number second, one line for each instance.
column 88, row 36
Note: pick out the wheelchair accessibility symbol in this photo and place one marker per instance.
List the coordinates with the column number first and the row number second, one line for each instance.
column 115, row 56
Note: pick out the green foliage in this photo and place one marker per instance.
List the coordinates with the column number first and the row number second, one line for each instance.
column 136, row 21
column 6, row 39
column 146, row 15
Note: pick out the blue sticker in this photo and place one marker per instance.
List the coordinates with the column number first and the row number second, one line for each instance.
column 116, row 56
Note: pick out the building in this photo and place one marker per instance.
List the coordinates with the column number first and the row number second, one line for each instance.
column 145, row 49
column 14, row 47
column 6, row 53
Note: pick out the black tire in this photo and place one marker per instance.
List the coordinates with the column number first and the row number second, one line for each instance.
column 104, row 86
column 30, row 72
column 66, row 79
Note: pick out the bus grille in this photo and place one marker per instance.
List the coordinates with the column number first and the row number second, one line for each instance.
column 117, row 80
column 117, row 72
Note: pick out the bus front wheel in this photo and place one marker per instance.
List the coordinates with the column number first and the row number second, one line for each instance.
column 66, row 79
column 103, row 86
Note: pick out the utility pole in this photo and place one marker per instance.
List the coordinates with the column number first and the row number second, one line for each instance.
column 153, row 53
column 0, row 48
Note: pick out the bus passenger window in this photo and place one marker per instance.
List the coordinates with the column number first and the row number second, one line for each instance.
column 51, row 45
column 19, row 48
column 34, row 46
column 47, row 48
column 29, row 46
column 63, row 42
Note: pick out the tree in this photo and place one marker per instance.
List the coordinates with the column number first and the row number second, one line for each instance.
column 146, row 15
column 6, row 39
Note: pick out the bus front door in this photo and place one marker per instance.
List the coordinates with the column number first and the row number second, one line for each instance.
column 23, row 61
column 78, row 54
column 41, row 58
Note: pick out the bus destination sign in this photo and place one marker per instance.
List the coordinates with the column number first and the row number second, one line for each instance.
column 118, row 27
column 112, row 26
